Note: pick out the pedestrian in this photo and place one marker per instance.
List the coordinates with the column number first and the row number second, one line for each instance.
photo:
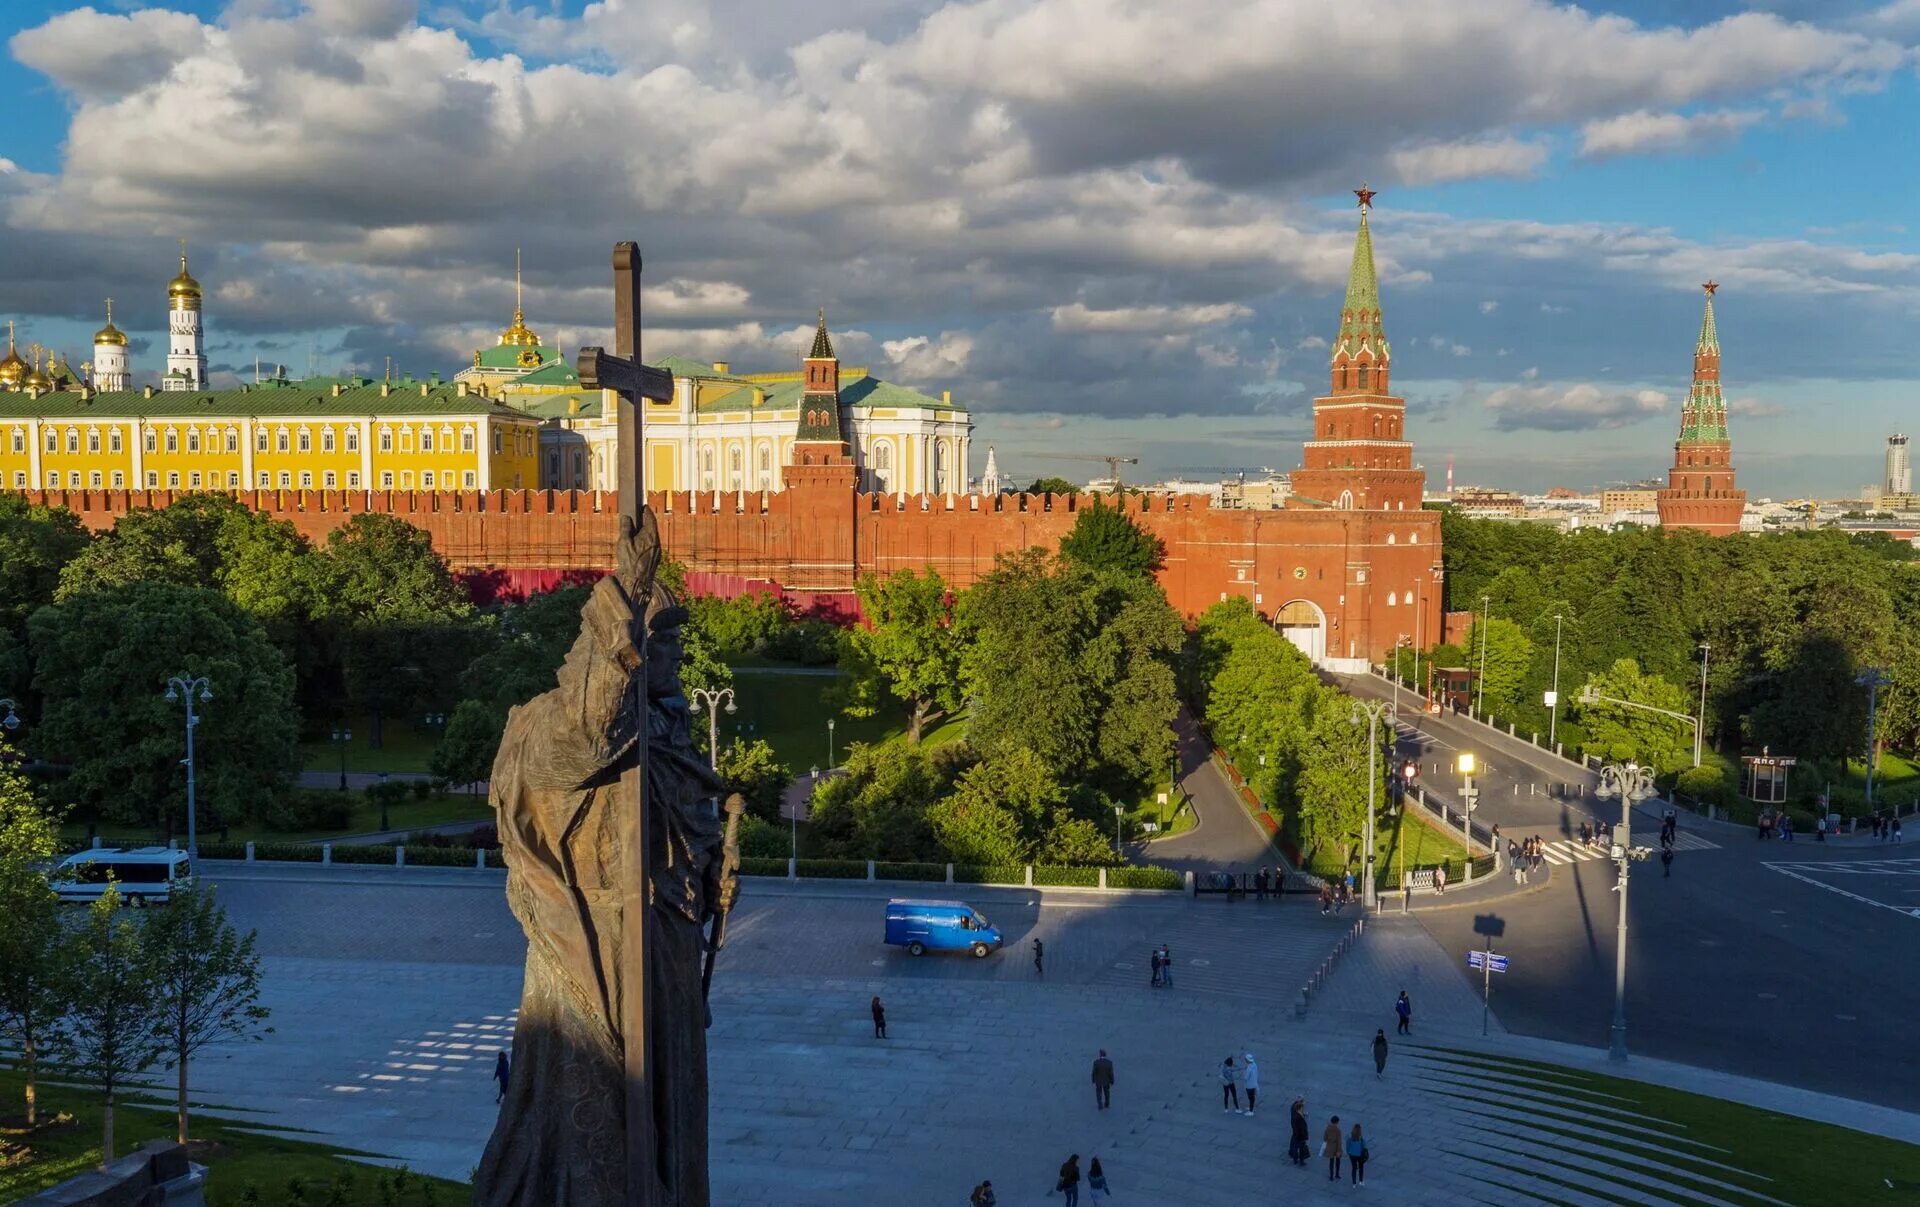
column 1440, row 881
column 879, row 1020
column 1069, row 1183
column 1297, row 1132
column 1896, row 829
column 1260, row 879
column 500, row 1073
column 1493, row 840
column 983, row 1196
column 1666, row 862
column 1097, row 1182
column 1102, row 1080
column 1331, row 1146
column 1357, row 1155
column 1380, row 1052
column 1326, row 898
column 1515, row 862
column 1039, row 957
column 1404, row 1008
column 1250, row 1078
column 1539, row 851
column 1347, row 884
column 1156, row 968
column 1229, row 1088
column 1166, row 967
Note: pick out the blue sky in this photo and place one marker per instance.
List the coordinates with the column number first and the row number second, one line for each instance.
column 1107, row 226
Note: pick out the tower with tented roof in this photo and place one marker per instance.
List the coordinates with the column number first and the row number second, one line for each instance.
column 1700, row 491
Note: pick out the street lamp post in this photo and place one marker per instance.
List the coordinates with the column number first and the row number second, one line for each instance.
column 712, row 698
column 1553, row 710
column 1631, row 783
column 794, row 817
column 830, row 723
column 1376, row 712
column 1466, row 764
column 1480, row 684
column 1704, row 650
column 1397, row 643
column 383, row 802
column 1873, row 679
column 182, row 687
column 1117, row 811
column 341, row 736
column 11, row 721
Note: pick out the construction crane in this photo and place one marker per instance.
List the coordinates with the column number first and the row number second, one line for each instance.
column 1113, row 463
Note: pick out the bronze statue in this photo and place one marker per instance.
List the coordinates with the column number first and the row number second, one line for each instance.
column 568, row 764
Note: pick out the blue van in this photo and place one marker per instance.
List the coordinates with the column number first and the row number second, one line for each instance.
column 923, row 926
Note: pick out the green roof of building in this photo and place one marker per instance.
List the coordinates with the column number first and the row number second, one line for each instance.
column 1709, row 333
column 555, row 372
column 822, row 344
column 865, row 391
column 559, row 406
column 507, row 356
column 1360, row 314
column 292, row 398
column 682, row 366
column 1703, row 416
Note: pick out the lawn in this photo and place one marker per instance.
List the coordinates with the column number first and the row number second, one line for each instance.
column 411, row 815
column 1173, row 817
column 790, row 713
column 236, row 1159
column 1405, row 840
column 1799, row 1160
column 405, row 745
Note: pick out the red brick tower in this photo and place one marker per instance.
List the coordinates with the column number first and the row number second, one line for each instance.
column 1700, row 493
column 1359, row 458
column 821, row 455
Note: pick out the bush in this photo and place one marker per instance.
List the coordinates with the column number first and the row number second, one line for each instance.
column 808, row 642
column 286, row 852
column 437, row 857
column 757, row 866
column 761, row 839
column 421, row 789
column 909, row 871
column 223, row 850
column 981, row 873
column 1157, row 878
column 359, row 854
column 1067, row 877
column 836, row 869
column 740, row 625
column 298, row 810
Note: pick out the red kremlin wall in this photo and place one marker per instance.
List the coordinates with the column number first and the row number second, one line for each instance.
column 1369, row 578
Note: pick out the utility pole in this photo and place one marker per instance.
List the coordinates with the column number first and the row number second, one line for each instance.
column 1873, row 678
column 1480, row 687
column 1553, row 713
column 182, row 686
column 1704, row 649
column 1630, row 782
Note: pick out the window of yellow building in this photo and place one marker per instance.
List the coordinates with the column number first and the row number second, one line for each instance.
column 73, row 440
column 259, row 441
column 331, row 478
column 119, row 480
column 386, row 479
column 113, row 441
column 496, row 441
column 173, row 480
column 426, row 439
column 282, row 439
column 286, row 480
column 19, row 441
column 353, row 440
column 306, row 441
column 386, row 440
column 406, row 479
column 93, row 479
column 193, row 440
column 93, row 440
column 233, row 439
column 326, row 440
column 153, row 480
column 306, row 475
column 53, row 441
column 264, row 479
column 233, row 479
column 173, row 441
column 150, row 440
column 466, row 440
column 426, row 479
column 353, row 480
column 193, row 480
column 467, row 479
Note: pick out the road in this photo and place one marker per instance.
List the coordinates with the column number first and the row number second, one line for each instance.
column 1226, row 838
column 1787, row 962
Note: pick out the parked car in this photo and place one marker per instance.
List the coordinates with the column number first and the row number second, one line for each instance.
column 923, row 926
column 145, row 875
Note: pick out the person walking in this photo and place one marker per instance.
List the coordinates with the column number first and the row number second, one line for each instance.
column 879, row 1019
column 1250, row 1080
column 1097, row 1183
column 1155, row 983
column 1331, row 1146
column 1229, row 1088
column 1102, row 1080
column 983, row 1196
column 1260, row 884
column 1166, row 967
column 1069, row 1183
column 1039, row 957
column 1404, row 1008
column 1297, row 1132
column 1380, row 1052
column 1440, row 881
column 1666, row 863
column 1357, row 1156
column 500, row 1073
column 1896, row 829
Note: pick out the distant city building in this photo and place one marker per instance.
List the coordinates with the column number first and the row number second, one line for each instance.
column 990, row 483
column 1899, row 477
column 1700, row 493
column 1483, row 501
column 1260, row 494
column 1629, row 499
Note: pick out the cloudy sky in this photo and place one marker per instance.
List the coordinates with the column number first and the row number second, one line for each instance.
column 1108, row 225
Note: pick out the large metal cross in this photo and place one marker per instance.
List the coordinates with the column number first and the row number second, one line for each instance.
column 631, row 381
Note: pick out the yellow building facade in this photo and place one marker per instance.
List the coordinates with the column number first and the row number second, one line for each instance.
column 283, row 435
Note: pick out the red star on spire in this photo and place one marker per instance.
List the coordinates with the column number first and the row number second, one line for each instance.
column 1710, row 286
column 1365, row 195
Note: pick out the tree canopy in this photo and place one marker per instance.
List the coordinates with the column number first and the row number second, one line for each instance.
column 908, row 646
column 1104, row 537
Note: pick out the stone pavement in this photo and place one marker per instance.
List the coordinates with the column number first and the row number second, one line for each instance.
column 985, row 1073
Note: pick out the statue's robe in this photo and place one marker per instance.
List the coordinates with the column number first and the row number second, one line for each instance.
column 564, row 771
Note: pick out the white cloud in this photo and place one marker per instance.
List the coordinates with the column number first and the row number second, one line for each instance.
column 1755, row 408
column 919, row 358
column 1489, row 306
column 1644, row 131
column 1473, row 159
column 1077, row 317
column 1571, row 408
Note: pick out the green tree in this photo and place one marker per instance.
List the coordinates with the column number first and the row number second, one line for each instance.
column 1507, row 658
column 976, row 831
column 1103, row 537
column 1333, row 788
column 206, row 983
column 878, row 808
column 1619, row 732
column 741, row 625
column 101, row 665
column 1052, row 486
column 754, row 771
column 908, row 645
column 36, row 543
column 467, row 749
column 34, row 992
column 109, row 1036
column 1074, row 841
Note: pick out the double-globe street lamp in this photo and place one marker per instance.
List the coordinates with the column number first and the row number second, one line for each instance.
column 1631, row 783
column 182, row 687
column 341, row 737
column 1375, row 711
column 712, row 697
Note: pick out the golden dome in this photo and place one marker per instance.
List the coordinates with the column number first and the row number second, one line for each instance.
column 12, row 368
column 35, row 379
column 518, row 336
column 183, row 288
column 110, row 334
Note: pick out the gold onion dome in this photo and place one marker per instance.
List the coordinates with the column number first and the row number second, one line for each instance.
column 36, row 380
column 184, row 288
column 12, row 369
column 518, row 336
column 110, row 334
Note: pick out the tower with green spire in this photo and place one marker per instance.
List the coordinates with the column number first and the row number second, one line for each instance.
column 1359, row 457
column 1700, row 492
column 820, row 401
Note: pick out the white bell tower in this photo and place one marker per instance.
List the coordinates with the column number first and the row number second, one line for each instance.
column 110, row 356
column 186, row 355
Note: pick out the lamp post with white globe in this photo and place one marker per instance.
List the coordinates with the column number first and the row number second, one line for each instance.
column 1375, row 711
column 182, row 687
column 711, row 698
column 1630, row 783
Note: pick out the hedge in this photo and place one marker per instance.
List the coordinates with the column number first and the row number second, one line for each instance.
column 759, row 865
column 223, row 850
column 1130, row 877
column 836, row 869
column 982, row 873
column 909, row 871
column 1070, row 877
column 290, row 852
column 435, row 857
